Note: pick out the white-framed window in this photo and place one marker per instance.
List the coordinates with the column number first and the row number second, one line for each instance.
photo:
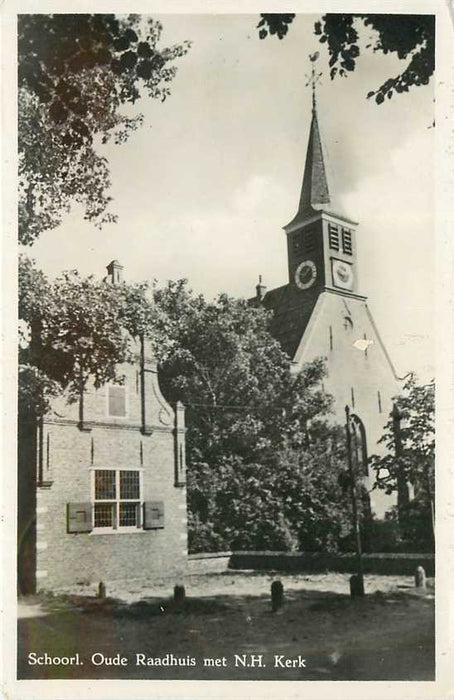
column 117, row 401
column 117, row 499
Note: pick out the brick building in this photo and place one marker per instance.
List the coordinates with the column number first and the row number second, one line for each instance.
column 321, row 312
column 102, row 493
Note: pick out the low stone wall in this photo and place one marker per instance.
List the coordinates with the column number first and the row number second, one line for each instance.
column 390, row 564
column 316, row 562
column 208, row 563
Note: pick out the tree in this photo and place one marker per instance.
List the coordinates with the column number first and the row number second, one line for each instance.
column 76, row 330
column 263, row 462
column 286, row 499
column 411, row 37
column 75, row 72
column 233, row 376
column 410, row 445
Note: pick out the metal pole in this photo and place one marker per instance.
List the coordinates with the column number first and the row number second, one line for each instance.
column 354, row 503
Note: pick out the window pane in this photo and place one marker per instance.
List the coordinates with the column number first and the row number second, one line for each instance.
column 104, row 484
column 104, row 514
column 128, row 514
column 129, row 484
column 117, row 401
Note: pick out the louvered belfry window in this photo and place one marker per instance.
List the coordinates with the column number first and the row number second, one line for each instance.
column 333, row 236
column 347, row 241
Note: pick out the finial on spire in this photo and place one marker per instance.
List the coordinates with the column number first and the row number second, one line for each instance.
column 313, row 78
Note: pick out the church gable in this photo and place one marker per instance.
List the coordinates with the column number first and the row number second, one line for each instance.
column 342, row 330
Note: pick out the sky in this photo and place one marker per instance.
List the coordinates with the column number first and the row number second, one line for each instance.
column 203, row 189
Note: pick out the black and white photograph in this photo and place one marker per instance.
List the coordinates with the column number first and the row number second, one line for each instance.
column 228, row 304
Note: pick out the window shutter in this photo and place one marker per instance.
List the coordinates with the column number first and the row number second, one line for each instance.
column 138, row 515
column 153, row 515
column 78, row 516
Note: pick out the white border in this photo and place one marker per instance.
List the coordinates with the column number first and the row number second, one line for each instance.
column 444, row 685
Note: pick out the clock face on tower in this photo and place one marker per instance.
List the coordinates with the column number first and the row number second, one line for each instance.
column 342, row 274
column 305, row 274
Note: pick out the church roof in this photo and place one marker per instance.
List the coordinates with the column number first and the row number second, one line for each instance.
column 316, row 194
column 292, row 312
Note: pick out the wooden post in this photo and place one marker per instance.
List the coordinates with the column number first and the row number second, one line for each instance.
column 420, row 577
column 356, row 586
column 179, row 594
column 277, row 595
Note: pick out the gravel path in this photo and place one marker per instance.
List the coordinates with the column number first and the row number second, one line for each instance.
column 244, row 583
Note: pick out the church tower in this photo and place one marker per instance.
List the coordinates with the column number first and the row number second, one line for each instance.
column 321, row 241
column 321, row 313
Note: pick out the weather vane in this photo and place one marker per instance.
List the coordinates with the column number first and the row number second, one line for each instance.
column 314, row 77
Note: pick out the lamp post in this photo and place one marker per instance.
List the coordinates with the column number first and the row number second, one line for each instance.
column 357, row 586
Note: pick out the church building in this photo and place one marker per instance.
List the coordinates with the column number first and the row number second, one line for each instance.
column 321, row 312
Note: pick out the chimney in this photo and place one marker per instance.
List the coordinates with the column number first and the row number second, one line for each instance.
column 115, row 272
column 260, row 289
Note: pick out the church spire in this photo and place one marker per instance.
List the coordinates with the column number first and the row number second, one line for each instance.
column 315, row 191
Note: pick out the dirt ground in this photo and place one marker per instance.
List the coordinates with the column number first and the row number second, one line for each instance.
column 226, row 630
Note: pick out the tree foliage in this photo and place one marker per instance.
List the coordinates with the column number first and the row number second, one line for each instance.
column 410, row 37
column 75, row 72
column 417, row 434
column 233, row 375
column 415, row 459
column 286, row 499
column 263, row 462
column 76, row 330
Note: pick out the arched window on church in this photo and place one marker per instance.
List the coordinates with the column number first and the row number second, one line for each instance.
column 348, row 324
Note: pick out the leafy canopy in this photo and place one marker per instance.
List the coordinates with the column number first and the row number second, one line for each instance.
column 233, row 376
column 416, row 407
column 75, row 73
column 75, row 330
column 410, row 37
column 263, row 462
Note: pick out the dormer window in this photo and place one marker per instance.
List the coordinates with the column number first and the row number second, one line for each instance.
column 347, row 241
